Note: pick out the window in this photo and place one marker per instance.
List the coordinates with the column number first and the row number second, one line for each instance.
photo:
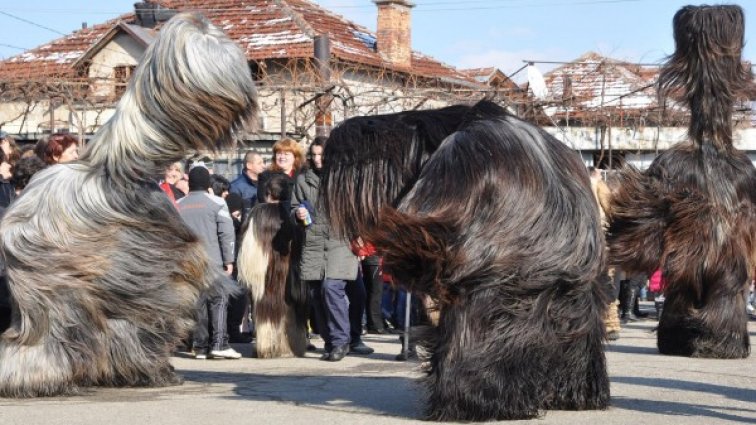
column 122, row 75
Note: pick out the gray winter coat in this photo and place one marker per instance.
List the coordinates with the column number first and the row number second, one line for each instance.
column 322, row 256
column 208, row 217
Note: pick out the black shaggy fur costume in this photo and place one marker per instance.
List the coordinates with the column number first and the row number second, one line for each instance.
column 103, row 273
column 693, row 212
column 495, row 219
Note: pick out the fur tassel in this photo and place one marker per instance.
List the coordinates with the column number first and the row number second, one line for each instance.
column 414, row 250
column 637, row 220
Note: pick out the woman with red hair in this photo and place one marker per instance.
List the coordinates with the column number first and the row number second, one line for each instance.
column 288, row 159
column 61, row 148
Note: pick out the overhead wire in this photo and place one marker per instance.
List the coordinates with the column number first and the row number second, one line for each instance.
column 430, row 6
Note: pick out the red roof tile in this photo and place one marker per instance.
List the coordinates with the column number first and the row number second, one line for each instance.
column 55, row 59
column 596, row 81
column 265, row 29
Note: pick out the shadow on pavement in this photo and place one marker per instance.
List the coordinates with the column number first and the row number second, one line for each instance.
column 615, row 348
column 670, row 408
column 735, row 393
column 640, row 326
column 386, row 396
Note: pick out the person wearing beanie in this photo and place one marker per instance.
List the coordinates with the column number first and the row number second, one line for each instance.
column 208, row 217
column 199, row 179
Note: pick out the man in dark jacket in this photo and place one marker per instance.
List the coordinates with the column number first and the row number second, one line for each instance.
column 207, row 215
column 246, row 184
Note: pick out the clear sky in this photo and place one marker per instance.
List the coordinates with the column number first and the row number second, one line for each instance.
column 462, row 33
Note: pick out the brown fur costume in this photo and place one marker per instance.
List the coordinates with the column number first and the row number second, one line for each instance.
column 498, row 223
column 103, row 273
column 693, row 212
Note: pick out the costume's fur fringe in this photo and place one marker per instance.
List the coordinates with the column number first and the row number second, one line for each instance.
column 502, row 229
column 103, row 273
column 693, row 212
column 378, row 158
column 264, row 266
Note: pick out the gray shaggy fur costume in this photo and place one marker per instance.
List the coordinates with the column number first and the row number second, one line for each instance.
column 693, row 212
column 103, row 273
column 495, row 219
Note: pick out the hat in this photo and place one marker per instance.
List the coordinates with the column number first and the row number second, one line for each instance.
column 234, row 202
column 199, row 179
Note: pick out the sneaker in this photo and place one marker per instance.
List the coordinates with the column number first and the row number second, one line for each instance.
column 228, row 353
column 200, row 356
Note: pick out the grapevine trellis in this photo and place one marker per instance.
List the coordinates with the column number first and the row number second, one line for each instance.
column 295, row 93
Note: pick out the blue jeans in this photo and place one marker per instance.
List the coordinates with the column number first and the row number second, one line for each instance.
column 336, row 331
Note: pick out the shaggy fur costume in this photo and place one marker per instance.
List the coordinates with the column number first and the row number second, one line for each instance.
column 497, row 223
column 269, row 250
column 103, row 273
column 693, row 212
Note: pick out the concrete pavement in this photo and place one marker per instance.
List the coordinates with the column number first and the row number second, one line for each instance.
column 647, row 388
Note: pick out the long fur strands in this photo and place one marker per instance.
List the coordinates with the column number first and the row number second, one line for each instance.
column 706, row 70
column 693, row 212
column 502, row 229
column 264, row 266
column 103, row 273
column 181, row 98
column 374, row 173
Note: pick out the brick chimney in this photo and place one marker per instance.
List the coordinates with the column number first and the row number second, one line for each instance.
column 394, row 39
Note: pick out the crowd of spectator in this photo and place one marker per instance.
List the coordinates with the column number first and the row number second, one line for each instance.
column 348, row 294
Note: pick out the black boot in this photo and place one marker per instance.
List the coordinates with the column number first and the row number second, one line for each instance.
column 338, row 353
column 636, row 308
column 628, row 292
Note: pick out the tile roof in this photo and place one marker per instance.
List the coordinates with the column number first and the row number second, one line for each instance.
column 265, row 29
column 55, row 59
column 481, row 74
column 494, row 77
column 597, row 84
column 594, row 81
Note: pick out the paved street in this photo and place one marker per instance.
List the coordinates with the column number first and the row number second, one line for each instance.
column 646, row 389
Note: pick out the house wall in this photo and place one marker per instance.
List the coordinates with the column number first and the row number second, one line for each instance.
column 123, row 50
column 356, row 93
column 36, row 120
column 83, row 116
column 650, row 138
column 639, row 147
